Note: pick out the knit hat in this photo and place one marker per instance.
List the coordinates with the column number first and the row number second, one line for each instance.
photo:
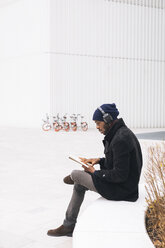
column 107, row 108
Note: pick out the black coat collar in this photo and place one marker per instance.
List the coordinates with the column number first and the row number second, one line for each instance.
column 118, row 124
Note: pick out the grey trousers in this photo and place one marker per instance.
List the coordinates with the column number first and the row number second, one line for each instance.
column 82, row 182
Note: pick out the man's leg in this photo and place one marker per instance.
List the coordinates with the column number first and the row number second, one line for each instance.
column 82, row 182
column 74, row 205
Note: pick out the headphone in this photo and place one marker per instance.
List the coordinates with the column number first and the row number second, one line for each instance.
column 106, row 116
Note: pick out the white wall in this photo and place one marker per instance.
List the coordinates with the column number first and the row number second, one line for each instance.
column 109, row 51
column 73, row 55
column 24, row 63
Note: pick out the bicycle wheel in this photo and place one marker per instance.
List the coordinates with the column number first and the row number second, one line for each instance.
column 55, row 124
column 57, row 128
column 74, row 126
column 66, row 126
column 46, row 126
column 84, row 126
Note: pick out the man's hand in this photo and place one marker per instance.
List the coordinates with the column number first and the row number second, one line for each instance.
column 91, row 161
column 90, row 168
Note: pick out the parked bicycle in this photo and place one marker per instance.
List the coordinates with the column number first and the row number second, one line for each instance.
column 73, row 122
column 84, row 124
column 65, row 124
column 55, row 120
column 46, row 125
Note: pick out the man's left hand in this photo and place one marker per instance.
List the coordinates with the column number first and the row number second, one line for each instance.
column 90, row 168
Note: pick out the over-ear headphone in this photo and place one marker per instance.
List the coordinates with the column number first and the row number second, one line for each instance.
column 106, row 116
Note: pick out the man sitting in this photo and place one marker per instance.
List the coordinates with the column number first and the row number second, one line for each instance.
column 119, row 172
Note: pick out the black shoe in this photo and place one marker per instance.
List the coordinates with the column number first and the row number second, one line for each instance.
column 61, row 231
column 68, row 180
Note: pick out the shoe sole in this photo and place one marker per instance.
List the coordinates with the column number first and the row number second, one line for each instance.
column 68, row 235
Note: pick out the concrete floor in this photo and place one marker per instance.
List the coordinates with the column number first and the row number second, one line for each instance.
column 33, row 197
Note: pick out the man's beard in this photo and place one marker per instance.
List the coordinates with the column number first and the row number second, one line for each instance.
column 107, row 128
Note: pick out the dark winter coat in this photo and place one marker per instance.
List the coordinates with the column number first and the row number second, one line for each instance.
column 120, row 170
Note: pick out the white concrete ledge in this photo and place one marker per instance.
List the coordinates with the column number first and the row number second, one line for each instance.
column 113, row 224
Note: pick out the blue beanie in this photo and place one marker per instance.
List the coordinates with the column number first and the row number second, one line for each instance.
column 108, row 108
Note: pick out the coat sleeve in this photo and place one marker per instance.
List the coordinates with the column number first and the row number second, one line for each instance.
column 102, row 160
column 121, row 165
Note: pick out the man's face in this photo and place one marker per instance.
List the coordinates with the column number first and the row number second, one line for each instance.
column 102, row 127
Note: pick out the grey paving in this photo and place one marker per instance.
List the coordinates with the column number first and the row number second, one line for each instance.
column 152, row 136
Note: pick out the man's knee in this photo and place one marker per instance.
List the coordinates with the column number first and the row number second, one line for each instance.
column 74, row 175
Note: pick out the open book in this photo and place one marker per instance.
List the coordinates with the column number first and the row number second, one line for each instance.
column 78, row 160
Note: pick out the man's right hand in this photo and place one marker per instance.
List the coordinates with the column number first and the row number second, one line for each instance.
column 91, row 161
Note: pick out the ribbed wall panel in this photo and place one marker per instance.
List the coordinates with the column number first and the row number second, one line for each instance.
column 109, row 51
column 147, row 3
